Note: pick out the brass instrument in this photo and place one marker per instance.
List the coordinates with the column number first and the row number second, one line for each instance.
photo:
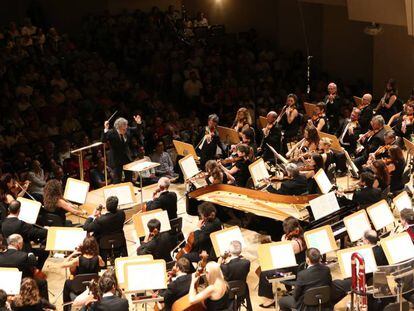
column 359, row 300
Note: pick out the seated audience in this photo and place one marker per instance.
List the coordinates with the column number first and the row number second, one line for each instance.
column 166, row 167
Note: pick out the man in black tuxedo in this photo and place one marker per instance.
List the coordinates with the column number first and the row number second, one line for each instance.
column 164, row 199
column 367, row 195
column 109, row 301
column 12, row 224
column 297, row 184
column 348, row 132
column 111, row 222
column 315, row 275
column 236, row 268
column 371, row 144
column 272, row 135
column 119, row 139
column 14, row 257
column 179, row 286
column 156, row 243
column 366, row 114
column 333, row 105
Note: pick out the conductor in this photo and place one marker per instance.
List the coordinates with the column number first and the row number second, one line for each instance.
column 119, row 138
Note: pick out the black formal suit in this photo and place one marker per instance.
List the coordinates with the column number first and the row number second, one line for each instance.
column 175, row 290
column 367, row 196
column 159, row 247
column 111, row 303
column 333, row 111
column 13, row 258
column 365, row 118
column 166, row 201
column 29, row 233
column 208, row 150
column 314, row 276
column 120, row 152
column 347, row 140
column 379, row 255
column 295, row 186
column 274, row 140
column 108, row 224
column 370, row 145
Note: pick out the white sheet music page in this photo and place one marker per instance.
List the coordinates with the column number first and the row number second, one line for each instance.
column 29, row 210
column 259, row 172
column 76, row 190
column 324, row 205
column 366, row 253
column 401, row 248
column 189, row 167
column 283, row 256
column 162, row 216
column 10, row 281
column 120, row 264
column 122, row 192
column 224, row 238
column 68, row 240
column 323, row 181
column 381, row 215
column 319, row 240
column 154, row 276
column 356, row 226
column 403, row 201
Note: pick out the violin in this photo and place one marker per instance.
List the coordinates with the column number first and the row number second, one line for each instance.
column 230, row 160
column 382, row 149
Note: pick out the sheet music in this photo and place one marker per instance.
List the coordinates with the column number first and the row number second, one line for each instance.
column 278, row 155
column 400, row 249
column 76, row 190
column 402, row 201
column 224, row 238
column 119, row 266
column 189, row 167
column 122, row 192
column 381, row 215
column 142, row 166
column 10, row 281
column 356, row 225
column 162, row 216
column 283, row 256
column 323, row 181
column 259, row 172
column 153, row 274
column 324, row 205
column 68, row 240
column 319, row 240
column 366, row 253
column 29, row 210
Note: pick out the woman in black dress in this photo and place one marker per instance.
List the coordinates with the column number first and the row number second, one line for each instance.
column 382, row 177
column 240, row 168
column 387, row 106
column 29, row 298
column 289, row 120
column 396, row 166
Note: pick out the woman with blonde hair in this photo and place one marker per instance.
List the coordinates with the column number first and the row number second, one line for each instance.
column 29, row 298
column 216, row 295
column 243, row 120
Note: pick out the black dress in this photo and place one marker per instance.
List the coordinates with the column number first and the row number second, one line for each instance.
column 290, row 130
column 223, row 304
column 396, row 176
column 88, row 265
column 243, row 173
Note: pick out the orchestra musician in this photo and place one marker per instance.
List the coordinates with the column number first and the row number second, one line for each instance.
column 247, row 138
column 272, row 135
column 215, row 175
column 387, row 106
column 119, row 139
column 308, row 145
column 289, row 120
column 381, row 174
column 30, row 298
column 12, row 225
column 315, row 164
column 407, row 221
column 319, row 119
column 371, row 140
column 402, row 122
column 179, row 283
column 216, row 295
column 242, row 121
column 207, row 224
column 10, row 189
column 332, row 157
column 240, row 166
column 85, row 259
column 390, row 139
column 55, row 203
column 293, row 232
column 366, row 112
column 296, row 184
column 109, row 299
column 367, row 195
column 209, row 140
column 349, row 132
column 156, row 243
column 396, row 166
column 315, row 275
column 164, row 199
column 333, row 105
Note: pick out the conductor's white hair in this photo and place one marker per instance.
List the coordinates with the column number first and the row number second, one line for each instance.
column 164, row 182
column 120, row 122
column 14, row 239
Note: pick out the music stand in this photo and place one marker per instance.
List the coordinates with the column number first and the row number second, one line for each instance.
column 228, row 135
column 183, row 149
column 410, row 149
column 259, row 173
column 141, row 220
column 309, row 108
column 139, row 167
column 394, row 280
column 79, row 151
column 336, row 145
column 357, row 100
column 221, row 239
column 262, row 121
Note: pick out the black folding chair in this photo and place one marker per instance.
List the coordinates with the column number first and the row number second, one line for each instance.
column 317, row 297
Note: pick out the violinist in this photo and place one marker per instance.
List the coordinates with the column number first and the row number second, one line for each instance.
column 242, row 121
column 315, row 163
column 209, row 140
column 207, row 224
column 387, row 106
column 382, row 176
column 402, row 122
column 333, row 105
column 240, row 168
column 179, row 283
column 289, row 120
column 304, row 148
column 396, row 166
column 407, row 221
column 332, row 157
column 156, row 243
column 366, row 112
column 371, row 140
column 293, row 232
column 164, row 199
column 349, row 132
column 319, row 119
column 390, row 139
column 272, row 135
column 215, row 175
column 296, row 184
column 367, row 195
column 10, row 188
column 247, row 138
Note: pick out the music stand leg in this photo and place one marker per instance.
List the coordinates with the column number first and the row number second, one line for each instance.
column 140, row 185
column 81, row 165
column 105, row 170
